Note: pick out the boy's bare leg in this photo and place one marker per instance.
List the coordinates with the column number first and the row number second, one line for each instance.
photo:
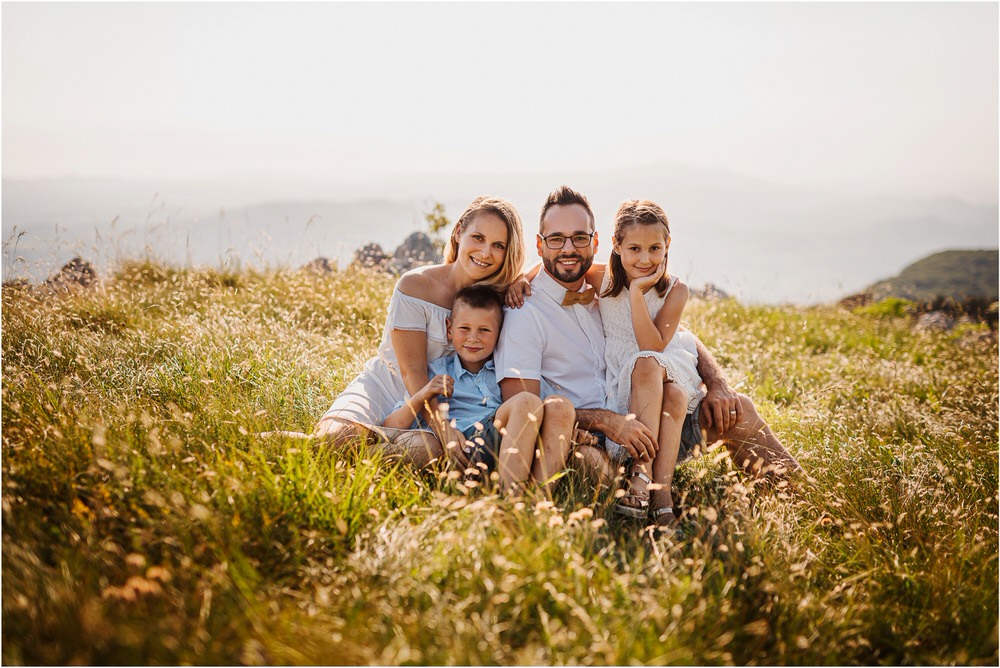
column 519, row 418
column 556, row 438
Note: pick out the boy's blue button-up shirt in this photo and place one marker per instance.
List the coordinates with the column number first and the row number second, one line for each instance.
column 476, row 395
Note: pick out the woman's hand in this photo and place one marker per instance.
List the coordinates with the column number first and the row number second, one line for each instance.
column 516, row 291
column 646, row 282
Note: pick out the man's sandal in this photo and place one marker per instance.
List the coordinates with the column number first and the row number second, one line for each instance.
column 635, row 503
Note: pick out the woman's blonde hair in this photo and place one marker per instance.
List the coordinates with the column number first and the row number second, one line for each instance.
column 513, row 260
column 634, row 212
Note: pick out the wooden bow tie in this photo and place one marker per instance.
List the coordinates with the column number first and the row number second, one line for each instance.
column 584, row 297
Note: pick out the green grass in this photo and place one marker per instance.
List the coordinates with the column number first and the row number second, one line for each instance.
column 144, row 523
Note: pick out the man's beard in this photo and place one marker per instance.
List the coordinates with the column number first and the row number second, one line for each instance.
column 564, row 275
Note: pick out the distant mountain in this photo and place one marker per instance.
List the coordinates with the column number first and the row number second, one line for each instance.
column 759, row 241
column 959, row 274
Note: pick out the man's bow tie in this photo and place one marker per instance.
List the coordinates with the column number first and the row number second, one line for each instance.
column 584, row 297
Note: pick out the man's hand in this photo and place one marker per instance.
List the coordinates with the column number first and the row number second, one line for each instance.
column 721, row 408
column 634, row 436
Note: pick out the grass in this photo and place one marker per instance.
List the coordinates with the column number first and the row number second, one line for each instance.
column 144, row 523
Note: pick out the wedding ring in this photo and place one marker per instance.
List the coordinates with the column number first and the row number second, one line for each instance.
column 732, row 412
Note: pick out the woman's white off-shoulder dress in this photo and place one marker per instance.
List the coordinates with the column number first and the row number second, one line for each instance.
column 371, row 396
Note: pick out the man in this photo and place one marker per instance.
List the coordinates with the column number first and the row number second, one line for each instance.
column 553, row 346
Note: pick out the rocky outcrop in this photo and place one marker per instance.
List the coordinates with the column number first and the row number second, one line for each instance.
column 75, row 274
column 321, row 265
column 416, row 250
column 709, row 292
column 852, row 302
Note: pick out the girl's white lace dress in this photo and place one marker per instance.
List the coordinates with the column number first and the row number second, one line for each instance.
column 679, row 359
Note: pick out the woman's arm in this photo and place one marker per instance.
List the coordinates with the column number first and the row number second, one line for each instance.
column 516, row 291
column 410, row 347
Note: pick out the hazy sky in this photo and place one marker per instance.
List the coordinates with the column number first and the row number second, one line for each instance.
column 894, row 97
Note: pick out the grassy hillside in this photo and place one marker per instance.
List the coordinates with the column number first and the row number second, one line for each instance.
column 957, row 274
column 144, row 523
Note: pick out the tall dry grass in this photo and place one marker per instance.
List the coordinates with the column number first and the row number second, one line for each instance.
column 143, row 522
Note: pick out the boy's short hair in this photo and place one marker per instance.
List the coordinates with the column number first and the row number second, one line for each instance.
column 480, row 296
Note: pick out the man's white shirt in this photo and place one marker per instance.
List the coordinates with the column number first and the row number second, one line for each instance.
column 561, row 346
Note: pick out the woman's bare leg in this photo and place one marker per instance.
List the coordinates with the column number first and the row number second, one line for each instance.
column 339, row 433
column 417, row 448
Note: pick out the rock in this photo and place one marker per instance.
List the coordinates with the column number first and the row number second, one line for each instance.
column 370, row 255
column 77, row 273
column 416, row 250
column 852, row 302
column 320, row 265
column 709, row 292
column 935, row 320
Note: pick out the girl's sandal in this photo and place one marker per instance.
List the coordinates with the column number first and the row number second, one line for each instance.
column 664, row 520
column 635, row 503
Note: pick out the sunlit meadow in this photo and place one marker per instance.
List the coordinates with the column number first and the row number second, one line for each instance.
column 144, row 522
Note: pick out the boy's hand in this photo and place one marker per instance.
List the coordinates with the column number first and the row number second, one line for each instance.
column 442, row 384
column 514, row 298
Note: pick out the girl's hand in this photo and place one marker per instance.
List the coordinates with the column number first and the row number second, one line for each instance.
column 516, row 291
column 646, row 282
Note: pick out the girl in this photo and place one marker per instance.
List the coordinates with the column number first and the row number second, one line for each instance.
column 641, row 307
column 486, row 248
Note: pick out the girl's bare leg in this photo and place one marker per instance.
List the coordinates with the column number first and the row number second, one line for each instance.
column 671, row 422
column 645, row 403
column 519, row 420
column 556, row 438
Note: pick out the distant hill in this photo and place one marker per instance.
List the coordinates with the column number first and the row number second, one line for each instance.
column 959, row 274
column 764, row 242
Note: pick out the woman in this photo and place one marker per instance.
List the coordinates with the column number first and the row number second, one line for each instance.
column 485, row 248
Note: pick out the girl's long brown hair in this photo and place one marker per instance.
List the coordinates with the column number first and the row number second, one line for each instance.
column 635, row 212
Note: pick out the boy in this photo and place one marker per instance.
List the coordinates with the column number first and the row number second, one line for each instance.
column 473, row 413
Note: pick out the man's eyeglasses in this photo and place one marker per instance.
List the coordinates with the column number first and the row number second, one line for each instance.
column 558, row 241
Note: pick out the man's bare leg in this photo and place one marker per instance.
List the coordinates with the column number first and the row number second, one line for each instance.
column 753, row 447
